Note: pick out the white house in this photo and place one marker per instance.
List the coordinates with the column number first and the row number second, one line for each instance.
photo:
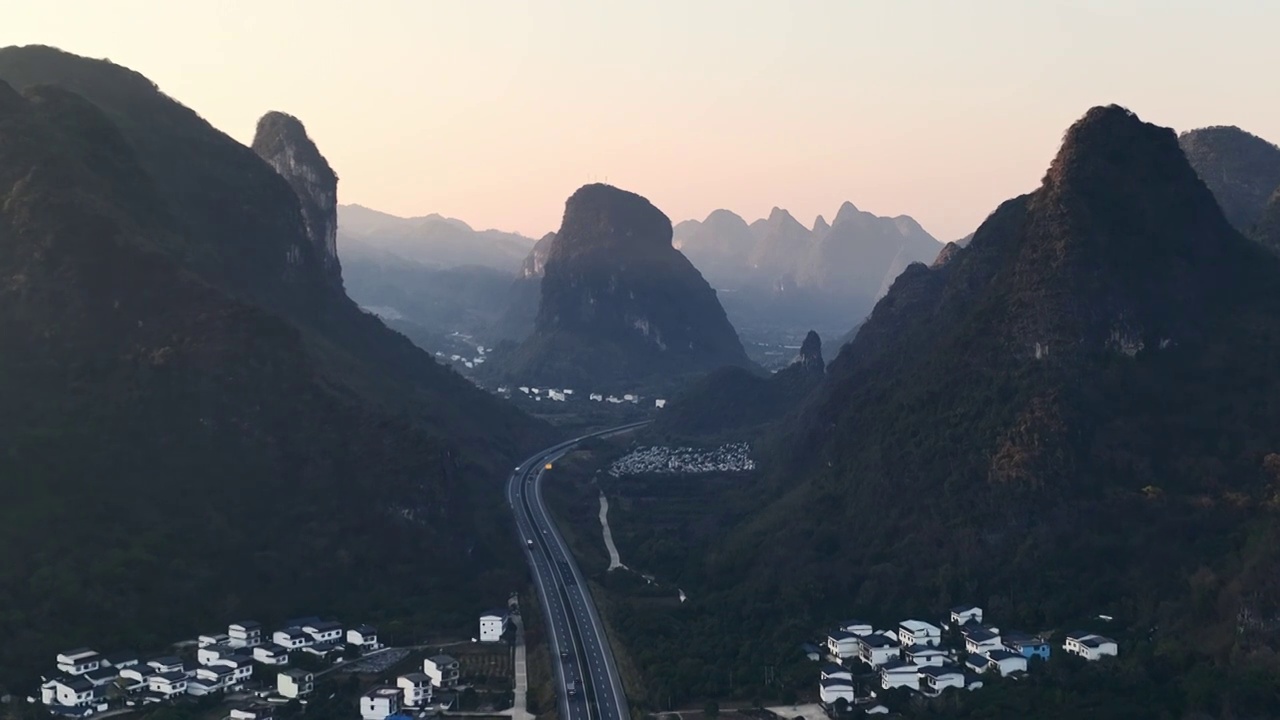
column 166, row 664
column 415, row 689
column 924, row 656
column 79, row 661
column 1090, row 646
column 271, row 654
column 250, row 713
column 524, row 390
column 660, row 403
column 364, row 637
column 492, row 625
column 101, row 676
column 168, row 684
column 246, row 633
column 595, row 397
column 831, row 690
column 295, row 683
column 70, row 692
column 965, row 614
column 120, row 660
column 442, row 669
column 291, row 638
column 857, row 627
column 323, row 631
column 919, row 632
column 899, row 674
column 876, row 709
column 1006, row 662
column 980, row 640
column 380, row 702
column 938, row 678
column 843, row 645
column 876, row 650
column 555, row 395
column 213, row 639
column 211, row 679
column 136, row 677
column 241, row 668
column 210, row 654
column 832, row 671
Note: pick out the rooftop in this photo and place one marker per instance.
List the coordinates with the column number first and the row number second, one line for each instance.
column 998, row 655
column 941, row 671
column 916, row 627
column 839, row 635
column 878, row 641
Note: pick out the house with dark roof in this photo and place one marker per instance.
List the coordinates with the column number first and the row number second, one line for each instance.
column 876, row 650
column 979, row 640
column 936, row 678
column 1090, row 646
column 1005, row 662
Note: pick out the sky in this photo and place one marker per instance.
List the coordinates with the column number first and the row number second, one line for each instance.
column 495, row 111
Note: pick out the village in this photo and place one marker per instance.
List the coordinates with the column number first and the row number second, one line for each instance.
column 859, row 662
column 255, row 671
column 661, row 460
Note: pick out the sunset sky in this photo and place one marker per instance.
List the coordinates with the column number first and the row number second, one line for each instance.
column 495, row 111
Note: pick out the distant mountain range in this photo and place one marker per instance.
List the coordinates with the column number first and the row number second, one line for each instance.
column 431, row 240
column 777, row 271
column 1243, row 171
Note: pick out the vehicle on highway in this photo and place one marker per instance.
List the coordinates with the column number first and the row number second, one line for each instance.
column 530, row 542
column 547, row 466
column 572, row 688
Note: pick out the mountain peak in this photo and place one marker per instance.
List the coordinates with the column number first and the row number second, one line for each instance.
column 282, row 141
column 810, row 355
column 820, row 225
column 1241, row 169
column 778, row 214
column 599, row 213
column 847, row 211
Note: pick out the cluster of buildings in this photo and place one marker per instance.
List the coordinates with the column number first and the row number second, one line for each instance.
column 932, row 659
column 85, row 680
column 730, row 458
column 469, row 363
column 416, row 691
column 566, row 394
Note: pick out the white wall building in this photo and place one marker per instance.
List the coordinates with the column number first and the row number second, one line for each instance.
column 919, row 632
column 79, row 661
column 964, row 614
column 168, row 684
column 1090, row 646
column 492, row 625
column 378, row 703
column 1006, row 662
column 924, row 656
column 877, row 650
column 831, row 690
column 364, row 637
column 938, row 678
column 271, row 654
column 844, row 645
column 832, row 671
column 324, row 631
column 899, row 674
column 245, row 633
column 291, row 638
column 857, row 627
column 442, row 669
column 980, row 641
column 295, row 683
column 415, row 689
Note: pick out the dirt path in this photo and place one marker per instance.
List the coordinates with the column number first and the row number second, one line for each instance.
column 614, row 560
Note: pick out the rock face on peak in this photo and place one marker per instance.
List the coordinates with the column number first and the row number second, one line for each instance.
column 1242, row 170
column 516, row 321
column 1267, row 230
column 1101, row 342
column 820, row 227
column 619, row 302
column 282, row 141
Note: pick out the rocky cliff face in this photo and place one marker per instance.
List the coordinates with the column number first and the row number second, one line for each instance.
column 809, row 358
column 282, row 141
column 617, row 299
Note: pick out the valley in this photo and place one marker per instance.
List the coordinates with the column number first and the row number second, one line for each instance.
column 285, row 436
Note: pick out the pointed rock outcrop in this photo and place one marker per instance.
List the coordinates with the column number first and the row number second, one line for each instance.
column 282, row 141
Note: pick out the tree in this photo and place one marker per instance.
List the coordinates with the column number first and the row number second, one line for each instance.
column 711, row 709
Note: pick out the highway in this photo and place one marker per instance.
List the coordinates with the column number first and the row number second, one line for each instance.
column 580, row 652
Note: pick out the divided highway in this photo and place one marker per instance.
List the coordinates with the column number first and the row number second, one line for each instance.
column 587, row 681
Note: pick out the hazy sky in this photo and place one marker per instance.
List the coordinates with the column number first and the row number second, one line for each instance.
column 495, row 111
